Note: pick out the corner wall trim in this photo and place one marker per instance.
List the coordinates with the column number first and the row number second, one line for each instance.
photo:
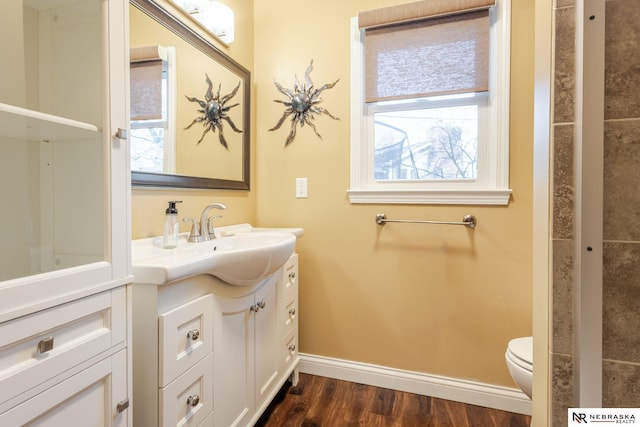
column 459, row 390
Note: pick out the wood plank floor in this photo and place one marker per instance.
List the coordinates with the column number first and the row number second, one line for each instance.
column 326, row 402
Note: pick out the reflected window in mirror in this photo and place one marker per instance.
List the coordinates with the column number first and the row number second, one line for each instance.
column 153, row 93
column 208, row 164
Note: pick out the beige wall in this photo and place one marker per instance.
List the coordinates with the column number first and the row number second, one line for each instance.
column 435, row 299
column 148, row 205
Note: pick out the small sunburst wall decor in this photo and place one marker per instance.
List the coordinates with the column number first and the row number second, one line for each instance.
column 214, row 111
column 302, row 104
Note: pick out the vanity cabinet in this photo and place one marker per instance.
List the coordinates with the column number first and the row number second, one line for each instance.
column 212, row 354
column 65, row 240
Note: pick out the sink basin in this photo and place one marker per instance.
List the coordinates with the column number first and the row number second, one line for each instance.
column 240, row 256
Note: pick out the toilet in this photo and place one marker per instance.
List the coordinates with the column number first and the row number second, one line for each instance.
column 519, row 357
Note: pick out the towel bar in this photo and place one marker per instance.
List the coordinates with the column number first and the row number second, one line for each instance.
column 468, row 221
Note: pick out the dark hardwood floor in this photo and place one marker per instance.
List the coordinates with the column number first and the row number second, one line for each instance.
column 326, row 402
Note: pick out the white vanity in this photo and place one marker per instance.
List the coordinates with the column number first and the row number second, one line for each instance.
column 212, row 352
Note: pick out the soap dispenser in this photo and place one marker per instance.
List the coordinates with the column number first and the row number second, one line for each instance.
column 170, row 238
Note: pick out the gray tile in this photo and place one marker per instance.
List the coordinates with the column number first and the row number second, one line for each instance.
column 564, row 3
column 621, row 301
column 561, row 388
column 563, row 182
column 564, row 73
column 621, row 179
column 562, row 340
column 622, row 59
column 620, row 385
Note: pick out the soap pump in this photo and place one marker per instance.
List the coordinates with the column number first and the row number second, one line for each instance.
column 170, row 238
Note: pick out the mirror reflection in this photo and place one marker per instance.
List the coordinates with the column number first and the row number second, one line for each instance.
column 189, row 106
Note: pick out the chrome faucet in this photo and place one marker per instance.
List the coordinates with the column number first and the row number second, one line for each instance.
column 206, row 226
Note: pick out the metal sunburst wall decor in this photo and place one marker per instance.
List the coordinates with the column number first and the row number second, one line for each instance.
column 302, row 104
column 214, row 111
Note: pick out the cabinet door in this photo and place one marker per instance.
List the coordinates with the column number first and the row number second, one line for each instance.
column 61, row 164
column 90, row 397
column 233, row 360
column 266, row 343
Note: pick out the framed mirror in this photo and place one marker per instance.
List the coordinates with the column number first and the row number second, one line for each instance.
column 176, row 138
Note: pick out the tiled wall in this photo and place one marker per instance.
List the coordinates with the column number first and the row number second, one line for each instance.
column 621, row 281
column 563, row 203
column 621, row 299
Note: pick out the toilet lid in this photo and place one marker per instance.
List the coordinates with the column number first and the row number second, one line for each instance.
column 522, row 349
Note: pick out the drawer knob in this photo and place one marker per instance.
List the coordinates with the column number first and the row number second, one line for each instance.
column 193, row 335
column 45, row 344
column 122, row 406
column 292, row 276
column 292, row 348
column 193, row 400
column 292, row 312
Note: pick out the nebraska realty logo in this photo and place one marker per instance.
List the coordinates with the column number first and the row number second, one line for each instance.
column 602, row 416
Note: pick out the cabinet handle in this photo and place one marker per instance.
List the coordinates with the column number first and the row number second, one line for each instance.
column 45, row 344
column 292, row 312
column 193, row 400
column 292, row 276
column 257, row 306
column 122, row 134
column 292, row 348
column 122, row 406
column 193, row 334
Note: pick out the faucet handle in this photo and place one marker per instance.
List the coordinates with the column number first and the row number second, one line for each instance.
column 194, row 236
column 210, row 230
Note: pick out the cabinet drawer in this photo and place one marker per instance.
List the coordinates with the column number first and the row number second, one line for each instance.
column 289, row 281
column 189, row 399
column 185, row 337
column 289, row 350
column 39, row 346
column 287, row 314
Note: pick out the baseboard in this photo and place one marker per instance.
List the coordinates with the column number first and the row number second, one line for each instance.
column 471, row 392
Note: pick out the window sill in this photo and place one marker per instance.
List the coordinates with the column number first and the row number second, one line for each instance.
column 431, row 197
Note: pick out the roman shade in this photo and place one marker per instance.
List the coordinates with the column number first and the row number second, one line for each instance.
column 426, row 48
column 146, row 82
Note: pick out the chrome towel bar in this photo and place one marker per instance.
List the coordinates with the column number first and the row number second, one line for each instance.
column 468, row 221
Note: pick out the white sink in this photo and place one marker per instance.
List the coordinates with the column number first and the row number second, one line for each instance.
column 241, row 255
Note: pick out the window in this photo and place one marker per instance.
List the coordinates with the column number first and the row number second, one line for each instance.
column 430, row 104
column 153, row 109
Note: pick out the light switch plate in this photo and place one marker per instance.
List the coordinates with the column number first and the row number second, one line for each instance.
column 302, row 191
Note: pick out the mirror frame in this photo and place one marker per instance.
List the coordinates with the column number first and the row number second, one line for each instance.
column 182, row 30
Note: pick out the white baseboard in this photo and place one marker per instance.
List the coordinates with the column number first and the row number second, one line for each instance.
column 470, row 392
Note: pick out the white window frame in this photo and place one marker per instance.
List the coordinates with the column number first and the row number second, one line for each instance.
column 492, row 185
column 168, row 56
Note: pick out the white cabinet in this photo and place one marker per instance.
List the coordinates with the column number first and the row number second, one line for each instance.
column 246, row 348
column 66, row 362
column 64, row 171
column 245, row 354
column 89, row 397
column 64, row 246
